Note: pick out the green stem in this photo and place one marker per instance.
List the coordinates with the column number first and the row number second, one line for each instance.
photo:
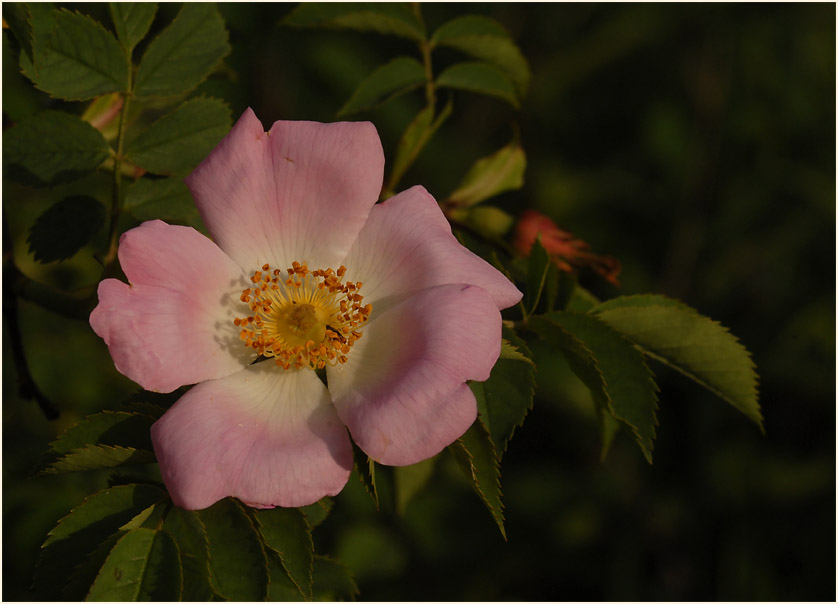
column 116, row 205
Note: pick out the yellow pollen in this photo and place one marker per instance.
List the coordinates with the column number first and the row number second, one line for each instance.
column 308, row 319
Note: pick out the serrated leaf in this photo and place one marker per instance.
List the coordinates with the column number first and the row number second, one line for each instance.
column 78, row 586
column 84, row 528
column 482, row 78
column 538, row 267
column 510, row 351
column 415, row 137
column 384, row 18
column 131, row 20
column 502, row 171
column 97, row 457
column 365, row 468
column 400, row 75
column 485, row 39
column 184, row 53
column 181, row 139
column 54, row 146
column 65, row 228
column 478, row 459
column 16, row 19
column 189, row 534
column 287, row 533
column 410, row 480
column 318, row 511
column 107, row 428
column 168, row 199
column 76, row 58
column 238, row 567
column 696, row 346
column 504, row 400
column 333, row 581
column 39, row 24
column 280, row 586
column 626, row 382
column 143, row 565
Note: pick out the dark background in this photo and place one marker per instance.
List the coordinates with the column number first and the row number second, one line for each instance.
column 696, row 143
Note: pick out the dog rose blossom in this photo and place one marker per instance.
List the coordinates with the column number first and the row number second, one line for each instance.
column 305, row 277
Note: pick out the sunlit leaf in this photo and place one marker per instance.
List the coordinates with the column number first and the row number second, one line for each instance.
column 698, row 347
column 624, row 379
column 65, row 228
column 75, row 58
column 131, row 20
column 479, row 77
column 385, row 18
column 477, row 457
column 502, row 171
column 179, row 140
column 189, row 534
column 410, row 480
column 237, row 561
column 143, row 565
column 53, row 146
column 96, row 457
column 185, row 53
column 107, row 428
column 400, row 75
column 485, row 39
column 84, row 528
column 504, row 400
column 365, row 468
column 287, row 533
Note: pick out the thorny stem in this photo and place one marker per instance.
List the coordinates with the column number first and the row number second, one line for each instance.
column 27, row 388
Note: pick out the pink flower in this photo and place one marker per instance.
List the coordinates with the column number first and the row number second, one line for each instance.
column 303, row 271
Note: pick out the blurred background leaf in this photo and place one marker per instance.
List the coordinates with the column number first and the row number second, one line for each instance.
column 696, row 143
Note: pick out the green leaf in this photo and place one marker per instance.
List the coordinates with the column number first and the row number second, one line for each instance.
column 84, row 528
column 181, row 139
column 365, row 468
column 410, row 480
column 490, row 176
column 400, row 75
column 16, row 18
column 237, row 561
column 280, row 586
column 286, row 532
column 151, row 518
column 384, row 18
column 168, row 199
column 624, row 380
column 185, row 53
column 538, row 267
column 318, row 511
column 97, row 457
column 479, row 77
column 76, row 58
column 333, row 581
column 107, row 428
column 485, row 39
column 54, row 146
column 581, row 300
column 504, row 400
column 143, row 565
column 698, row 347
column 39, row 24
column 65, row 228
column 477, row 457
column 131, row 20
column 189, row 534
column 415, row 137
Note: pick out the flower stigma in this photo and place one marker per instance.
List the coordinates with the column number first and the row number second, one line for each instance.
column 311, row 319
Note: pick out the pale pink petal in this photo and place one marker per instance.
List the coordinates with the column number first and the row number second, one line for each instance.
column 402, row 392
column 174, row 324
column 300, row 193
column 266, row 436
column 407, row 246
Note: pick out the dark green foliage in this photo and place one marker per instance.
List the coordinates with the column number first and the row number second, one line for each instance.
column 384, row 18
column 480, row 77
column 131, row 21
column 65, row 228
column 400, row 75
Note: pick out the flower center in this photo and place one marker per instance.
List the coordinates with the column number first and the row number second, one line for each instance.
column 311, row 319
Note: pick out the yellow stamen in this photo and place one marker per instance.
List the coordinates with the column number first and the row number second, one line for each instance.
column 310, row 319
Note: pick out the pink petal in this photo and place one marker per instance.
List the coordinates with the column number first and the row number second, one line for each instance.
column 174, row 324
column 407, row 246
column 267, row 436
column 402, row 392
column 300, row 193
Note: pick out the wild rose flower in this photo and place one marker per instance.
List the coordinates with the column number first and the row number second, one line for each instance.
column 564, row 249
column 304, row 272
